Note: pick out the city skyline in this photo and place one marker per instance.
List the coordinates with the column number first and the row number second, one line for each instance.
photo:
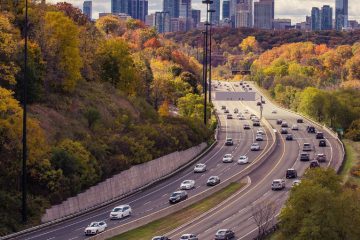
column 296, row 10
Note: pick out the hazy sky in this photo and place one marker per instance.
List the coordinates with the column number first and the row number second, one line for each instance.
column 294, row 9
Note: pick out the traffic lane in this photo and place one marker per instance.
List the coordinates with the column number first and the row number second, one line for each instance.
column 252, row 193
column 134, row 207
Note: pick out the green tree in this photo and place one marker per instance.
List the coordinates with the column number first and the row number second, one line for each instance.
column 312, row 103
column 319, row 208
column 61, row 51
column 92, row 116
column 8, row 46
column 353, row 132
column 116, row 65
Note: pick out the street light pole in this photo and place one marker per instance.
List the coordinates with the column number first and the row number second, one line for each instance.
column 24, row 140
column 210, row 52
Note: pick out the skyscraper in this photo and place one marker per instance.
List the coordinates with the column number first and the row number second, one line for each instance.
column 315, row 19
column 341, row 14
column 244, row 13
column 138, row 9
column 226, row 9
column 215, row 16
column 87, row 8
column 196, row 16
column 185, row 12
column 264, row 12
column 162, row 22
column 326, row 18
column 171, row 6
column 120, row 6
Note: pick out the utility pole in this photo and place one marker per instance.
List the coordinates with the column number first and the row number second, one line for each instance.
column 24, row 140
column 261, row 107
column 210, row 52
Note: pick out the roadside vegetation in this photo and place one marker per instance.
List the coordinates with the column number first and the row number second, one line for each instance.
column 168, row 223
column 103, row 96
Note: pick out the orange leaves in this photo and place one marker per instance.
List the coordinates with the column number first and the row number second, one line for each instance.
column 152, row 43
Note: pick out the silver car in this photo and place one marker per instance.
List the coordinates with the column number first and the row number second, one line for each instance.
column 255, row 147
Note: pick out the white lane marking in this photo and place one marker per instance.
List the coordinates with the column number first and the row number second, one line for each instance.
column 73, row 238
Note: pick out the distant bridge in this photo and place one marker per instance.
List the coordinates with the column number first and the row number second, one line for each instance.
column 241, row 72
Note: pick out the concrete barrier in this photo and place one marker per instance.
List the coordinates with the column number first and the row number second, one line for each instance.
column 135, row 177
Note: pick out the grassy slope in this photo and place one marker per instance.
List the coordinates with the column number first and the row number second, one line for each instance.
column 352, row 158
column 170, row 222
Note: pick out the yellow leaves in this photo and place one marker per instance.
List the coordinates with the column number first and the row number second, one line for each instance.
column 164, row 109
column 249, row 44
column 111, row 25
column 62, row 50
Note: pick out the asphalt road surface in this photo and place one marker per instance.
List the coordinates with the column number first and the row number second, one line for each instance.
column 237, row 214
column 156, row 197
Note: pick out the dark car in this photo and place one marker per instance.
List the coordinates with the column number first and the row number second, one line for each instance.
column 311, row 129
column 223, row 107
column 226, row 111
column 256, row 124
column 319, row 135
column 213, row 180
column 291, row 173
column 299, row 120
column 263, row 101
column 241, row 83
column 229, row 142
column 279, row 122
column 246, row 126
column 178, row 196
column 224, row 234
column 284, row 124
column 289, row 137
column 258, row 103
column 322, row 143
column 284, row 131
column 314, row 164
column 250, row 88
column 304, row 157
column 321, row 157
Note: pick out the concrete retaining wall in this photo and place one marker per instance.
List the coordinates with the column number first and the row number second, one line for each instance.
column 123, row 183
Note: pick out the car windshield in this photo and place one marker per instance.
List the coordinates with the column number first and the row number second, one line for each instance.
column 94, row 224
column 199, row 165
column 255, row 144
column 306, row 144
column 221, row 232
column 227, row 155
column 187, row 182
column 117, row 210
column 175, row 194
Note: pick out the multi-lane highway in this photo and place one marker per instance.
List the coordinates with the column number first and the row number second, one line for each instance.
column 235, row 214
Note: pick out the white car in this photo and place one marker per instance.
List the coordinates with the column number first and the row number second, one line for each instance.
column 278, row 184
column 95, row 228
column 241, row 117
column 255, row 147
column 187, row 185
column 246, row 111
column 243, row 159
column 296, row 183
column 120, row 212
column 295, row 127
column 199, row 168
column 188, row 237
column 260, row 131
column 259, row 137
column 228, row 158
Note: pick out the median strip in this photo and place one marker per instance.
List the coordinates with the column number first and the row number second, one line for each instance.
column 175, row 220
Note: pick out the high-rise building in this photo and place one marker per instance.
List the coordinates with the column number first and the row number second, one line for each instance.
column 215, row 16
column 162, row 22
column 226, row 9
column 120, row 6
column 244, row 13
column 138, row 9
column 341, row 14
column 315, row 19
column 150, row 20
column 87, row 9
column 282, row 24
column 196, row 16
column 264, row 12
column 171, row 6
column 185, row 13
column 326, row 17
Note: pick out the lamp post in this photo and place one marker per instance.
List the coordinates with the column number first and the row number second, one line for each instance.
column 24, row 140
column 207, row 2
column 210, row 51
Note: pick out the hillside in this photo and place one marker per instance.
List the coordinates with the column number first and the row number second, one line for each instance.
column 103, row 96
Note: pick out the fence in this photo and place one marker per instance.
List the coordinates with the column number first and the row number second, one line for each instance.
column 122, row 183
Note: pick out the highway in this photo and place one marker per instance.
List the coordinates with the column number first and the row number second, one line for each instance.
column 237, row 215
column 156, row 197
